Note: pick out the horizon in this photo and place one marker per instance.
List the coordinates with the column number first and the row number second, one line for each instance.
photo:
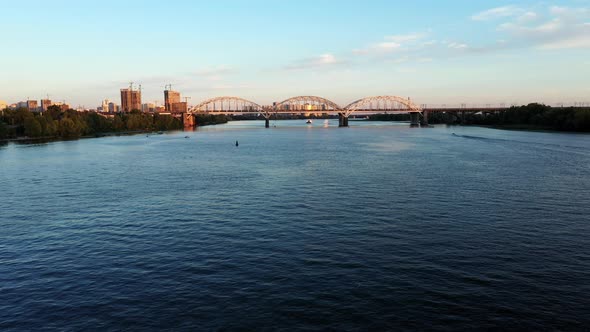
column 513, row 52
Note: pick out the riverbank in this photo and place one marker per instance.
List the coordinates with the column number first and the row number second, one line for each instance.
column 25, row 139
column 533, row 128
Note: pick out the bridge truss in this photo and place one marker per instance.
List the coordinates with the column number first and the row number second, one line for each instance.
column 307, row 104
column 227, row 104
column 382, row 104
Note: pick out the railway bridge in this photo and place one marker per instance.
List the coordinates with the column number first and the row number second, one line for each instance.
column 313, row 104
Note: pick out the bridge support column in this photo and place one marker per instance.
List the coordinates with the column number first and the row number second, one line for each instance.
column 424, row 118
column 415, row 119
column 266, row 122
column 342, row 120
column 188, row 120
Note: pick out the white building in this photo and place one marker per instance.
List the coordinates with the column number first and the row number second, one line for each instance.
column 105, row 106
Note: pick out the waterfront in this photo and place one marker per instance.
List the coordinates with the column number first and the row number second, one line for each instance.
column 376, row 226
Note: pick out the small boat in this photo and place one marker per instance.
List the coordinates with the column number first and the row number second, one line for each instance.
column 187, row 137
column 308, row 121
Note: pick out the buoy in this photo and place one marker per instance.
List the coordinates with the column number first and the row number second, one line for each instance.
column 237, row 144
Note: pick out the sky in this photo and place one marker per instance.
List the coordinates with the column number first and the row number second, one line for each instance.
column 436, row 52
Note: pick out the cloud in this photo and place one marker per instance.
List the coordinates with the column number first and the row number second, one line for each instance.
column 322, row 61
column 498, row 12
column 406, row 38
column 391, row 43
column 457, row 46
column 527, row 17
column 387, row 46
column 566, row 28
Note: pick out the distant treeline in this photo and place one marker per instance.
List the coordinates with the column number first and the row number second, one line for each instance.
column 55, row 123
column 531, row 116
column 211, row 119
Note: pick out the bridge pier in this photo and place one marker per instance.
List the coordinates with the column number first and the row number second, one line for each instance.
column 266, row 123
column 415, row 119
column 188, row 120
column 424, row 118
column 342, row 120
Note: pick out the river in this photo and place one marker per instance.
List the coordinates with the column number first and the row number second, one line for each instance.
column 301, row 227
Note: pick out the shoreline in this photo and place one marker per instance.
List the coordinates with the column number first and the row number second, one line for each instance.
column 99, row 135
column 523, row 127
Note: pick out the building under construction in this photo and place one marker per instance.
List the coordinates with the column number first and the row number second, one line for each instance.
column 130, row 99
column 172, row 102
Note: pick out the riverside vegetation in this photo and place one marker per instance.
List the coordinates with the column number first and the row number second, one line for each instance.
column 55, row 123
column 532, row 116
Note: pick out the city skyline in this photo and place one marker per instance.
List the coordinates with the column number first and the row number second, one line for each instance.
column 463, row 51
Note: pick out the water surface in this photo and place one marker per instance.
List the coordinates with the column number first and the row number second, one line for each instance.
column 374, row 227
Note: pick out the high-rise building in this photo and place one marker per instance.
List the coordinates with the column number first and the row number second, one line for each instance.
column 179, row 107
column 45, row 103
column 148, row 107
column 130, row 100
column 172, row 102
column 113, row 108
column 105, row 106
column 170, row 98
column 31, row 105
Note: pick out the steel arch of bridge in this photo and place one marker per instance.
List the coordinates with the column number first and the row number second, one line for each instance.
column 331, row 106
column 200, row 107
column 358, row 104
column 305, row 99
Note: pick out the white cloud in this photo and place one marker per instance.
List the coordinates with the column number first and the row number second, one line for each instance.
column 582, row 41
column 457, row 46
column 391, row 43
column 321, row 61
column 555, row 27
column 387, row 45
column 406, row 38
column 326, row 59
column 566, row 29
column 430, row 43
column 498, row 12
column 527, row 17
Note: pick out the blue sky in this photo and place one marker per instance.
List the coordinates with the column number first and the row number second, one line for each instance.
column 432, row 51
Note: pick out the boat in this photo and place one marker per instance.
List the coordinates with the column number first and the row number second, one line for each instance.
column 308, row 121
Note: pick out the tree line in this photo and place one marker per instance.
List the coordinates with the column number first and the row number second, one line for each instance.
column 531, row 116
column 55, row 123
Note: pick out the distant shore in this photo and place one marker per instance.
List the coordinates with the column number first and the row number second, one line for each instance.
column 25, row 139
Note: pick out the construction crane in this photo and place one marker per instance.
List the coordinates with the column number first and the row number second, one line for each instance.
column 186, row 102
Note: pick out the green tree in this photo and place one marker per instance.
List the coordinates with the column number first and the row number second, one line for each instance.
column 118, row 123
column 33, row 127
column 3, row 130
column 54, row 112
column 68, row 128
column 582, row 120
column 21, row 115
column 52, row 128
